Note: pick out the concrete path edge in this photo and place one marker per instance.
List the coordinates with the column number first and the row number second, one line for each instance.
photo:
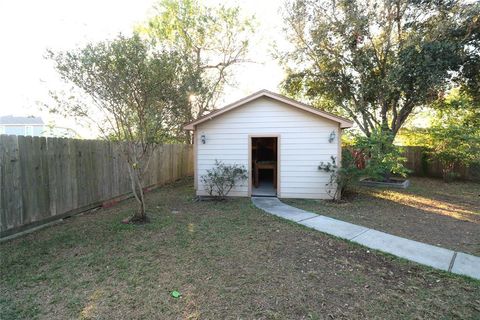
column 422, row 253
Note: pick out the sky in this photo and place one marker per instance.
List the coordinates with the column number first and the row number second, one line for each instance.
column 29, row 27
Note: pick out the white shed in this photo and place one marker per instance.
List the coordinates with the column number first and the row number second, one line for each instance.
column 279, row 140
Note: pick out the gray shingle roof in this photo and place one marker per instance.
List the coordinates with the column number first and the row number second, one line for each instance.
column 20, row 120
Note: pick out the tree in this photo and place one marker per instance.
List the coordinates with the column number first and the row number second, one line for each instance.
column 457, row 107
column 212, row 39
column 453, row 144
column 383, row 158
column 454, row 137
column 376, row 61
column 132, row 89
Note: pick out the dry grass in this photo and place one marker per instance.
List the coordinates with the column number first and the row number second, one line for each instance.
column 431, row 211
column 229, row 261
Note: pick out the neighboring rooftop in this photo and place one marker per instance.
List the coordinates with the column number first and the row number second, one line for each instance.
column 20, row 120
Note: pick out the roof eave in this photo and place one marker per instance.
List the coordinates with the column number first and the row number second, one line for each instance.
column 346, row 125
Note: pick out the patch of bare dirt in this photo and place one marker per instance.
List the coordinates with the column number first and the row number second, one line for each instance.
column 431, row 211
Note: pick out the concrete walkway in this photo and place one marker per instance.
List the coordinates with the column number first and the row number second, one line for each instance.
column 433, row 256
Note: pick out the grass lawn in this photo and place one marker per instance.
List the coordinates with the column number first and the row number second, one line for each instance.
column 228, row 260
column 431, row 211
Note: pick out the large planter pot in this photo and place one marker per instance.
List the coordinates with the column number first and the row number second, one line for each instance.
column 393, row 183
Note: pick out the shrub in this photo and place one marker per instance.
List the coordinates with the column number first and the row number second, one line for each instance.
column 220, row 180
column 342, row 178
column 453, row 144
column 383, row 158
column 454, row 135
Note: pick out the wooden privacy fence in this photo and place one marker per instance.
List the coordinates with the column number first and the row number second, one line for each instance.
column 43, row 179
column 421, row 164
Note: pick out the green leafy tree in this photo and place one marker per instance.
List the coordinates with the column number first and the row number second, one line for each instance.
column 376, row 61
column 457, row 107
column 382, row 157
column 453, row 144
column 454, row 137
column 212, row 39
column 132, row 89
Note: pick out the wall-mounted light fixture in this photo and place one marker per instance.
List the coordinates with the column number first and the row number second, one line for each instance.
column 331, row 138
column 203, row 138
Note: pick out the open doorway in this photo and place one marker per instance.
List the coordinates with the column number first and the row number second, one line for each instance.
column 264, row 166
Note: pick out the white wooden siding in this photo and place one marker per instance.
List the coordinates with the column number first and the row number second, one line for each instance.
column 303, row 145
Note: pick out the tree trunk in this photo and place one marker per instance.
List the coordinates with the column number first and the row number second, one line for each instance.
column 140, row 215
column 447, row 172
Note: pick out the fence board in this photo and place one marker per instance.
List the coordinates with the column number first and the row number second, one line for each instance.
column 42, row 179
column 422, row 164
column 11, row 188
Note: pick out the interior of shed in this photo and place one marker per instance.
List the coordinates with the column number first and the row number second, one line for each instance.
column 264, row 166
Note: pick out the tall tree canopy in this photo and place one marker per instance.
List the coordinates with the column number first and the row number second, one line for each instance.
column 129, row 91
column 376, row 61
column 212, row 39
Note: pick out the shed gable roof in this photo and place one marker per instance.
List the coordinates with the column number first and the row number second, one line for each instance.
column 344, row 123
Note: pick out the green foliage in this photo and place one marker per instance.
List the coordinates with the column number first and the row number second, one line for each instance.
column 411, row 136
column 454, row 137
column 342, row 178
column 220, row 180
column 377, row 61
column 129, row 90
column 212, row 39
column 132, row 88
column 383, row 157
column 470, row 73
column 454, row 134
column 458, row 107
column 453, row 144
